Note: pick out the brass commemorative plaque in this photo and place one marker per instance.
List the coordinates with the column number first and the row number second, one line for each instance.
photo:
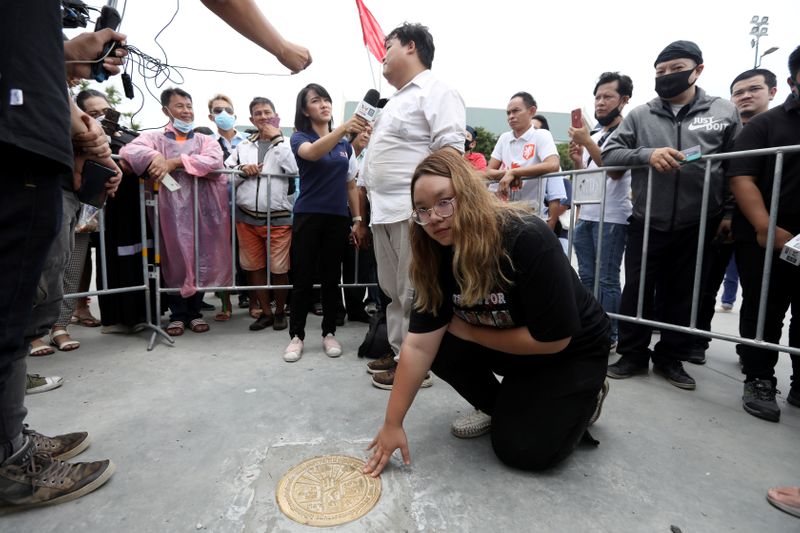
column 327, row 491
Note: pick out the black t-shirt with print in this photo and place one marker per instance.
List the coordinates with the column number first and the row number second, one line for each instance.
column 546, row 295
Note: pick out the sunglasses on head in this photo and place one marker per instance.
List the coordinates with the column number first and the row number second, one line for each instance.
column 218, row 110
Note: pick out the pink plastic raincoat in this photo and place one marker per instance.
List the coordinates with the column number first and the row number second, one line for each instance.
column 199, row 154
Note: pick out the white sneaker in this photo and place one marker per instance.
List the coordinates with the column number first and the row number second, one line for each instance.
column 37, row 383
column 332, row 346
column 471, row 425
column 294, row 351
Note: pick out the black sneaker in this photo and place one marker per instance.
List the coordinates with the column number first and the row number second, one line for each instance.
column 697, row 355
column 262, row 322
column 626, row 367
column 794, row 396
column 280, row 322
column 31, row 479
column 759, row 400
column 244, row 301
column 673, row 372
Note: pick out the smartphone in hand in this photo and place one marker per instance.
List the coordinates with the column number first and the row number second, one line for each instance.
column 577, row 118
column 93, row 183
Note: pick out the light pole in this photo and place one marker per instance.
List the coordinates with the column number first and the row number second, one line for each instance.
column 758, row 31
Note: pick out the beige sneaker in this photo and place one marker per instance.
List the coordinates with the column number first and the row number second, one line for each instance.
column 294, row 351
column 331, row 346
column 31, row 479
column 471, row 425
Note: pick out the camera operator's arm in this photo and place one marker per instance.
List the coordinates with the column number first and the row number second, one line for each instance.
column 90, row 142
column 87, row 47
column 245, row 17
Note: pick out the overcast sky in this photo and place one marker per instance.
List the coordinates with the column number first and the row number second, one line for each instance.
column 487, row 50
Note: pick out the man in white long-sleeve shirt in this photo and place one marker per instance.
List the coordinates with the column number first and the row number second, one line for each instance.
column 424, row 115
column 262, row 202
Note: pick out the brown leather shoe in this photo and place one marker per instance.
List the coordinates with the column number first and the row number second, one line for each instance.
column 383, row 364
column 385, row 380
column 31, row 479
column 60, row 447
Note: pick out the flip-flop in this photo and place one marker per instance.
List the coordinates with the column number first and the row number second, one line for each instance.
column 175, row 329
column 198, row 325
column 222, row 316
column 85, row 321
column 65, row 346
column 783, row 498
column 39, row 351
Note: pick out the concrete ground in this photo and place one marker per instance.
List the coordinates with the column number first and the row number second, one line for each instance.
column 202, row 431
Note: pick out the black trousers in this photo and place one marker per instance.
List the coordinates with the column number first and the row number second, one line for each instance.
column 667, row 289
column 784, row 291
column 185, row 309
column 30, row 216
column 316, row 242
column 541, row 409
column 717, row 257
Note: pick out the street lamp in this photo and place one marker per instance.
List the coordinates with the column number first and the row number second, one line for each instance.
column 758, row 31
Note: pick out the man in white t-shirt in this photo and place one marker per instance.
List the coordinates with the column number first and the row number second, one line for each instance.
column 611, row 93
column 423, row 116
column 525, row 152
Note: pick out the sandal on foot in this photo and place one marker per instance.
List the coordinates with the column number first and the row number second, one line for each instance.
column 41, row 349
column 175, row 328
column 198, row 325
column 63, row 346
column 87, row 321
column 222, row 316
column 256, row 313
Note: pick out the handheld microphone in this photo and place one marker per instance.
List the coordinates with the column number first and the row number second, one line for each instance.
column 109, row 18
column 368, row 107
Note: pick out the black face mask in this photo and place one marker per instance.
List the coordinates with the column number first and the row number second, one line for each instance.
column 608, row 119
column 671, row 85
column 467, row 145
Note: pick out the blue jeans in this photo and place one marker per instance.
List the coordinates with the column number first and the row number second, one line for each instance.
column 585, row 244
column 731, row 283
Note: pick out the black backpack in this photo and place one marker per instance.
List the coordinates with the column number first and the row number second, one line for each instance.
column 376, row 342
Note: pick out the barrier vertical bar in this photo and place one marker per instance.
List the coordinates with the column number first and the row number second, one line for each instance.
column 599, row 246
column 103, row 264
column 149, row 322
column 156, row 261
column 196, row 252
column 769, row 251
column 701, row 233
column 645, row 241
column 232, row 178
column 269, row 228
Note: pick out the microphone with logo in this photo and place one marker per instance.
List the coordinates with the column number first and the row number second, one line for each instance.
column 368, row 107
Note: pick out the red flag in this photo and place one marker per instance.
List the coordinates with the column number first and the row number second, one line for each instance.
column 373, row 34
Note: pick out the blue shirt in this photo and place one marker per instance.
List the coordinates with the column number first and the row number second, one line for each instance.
column 323, row 183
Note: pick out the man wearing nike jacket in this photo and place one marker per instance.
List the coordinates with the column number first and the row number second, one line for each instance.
column 656, row 134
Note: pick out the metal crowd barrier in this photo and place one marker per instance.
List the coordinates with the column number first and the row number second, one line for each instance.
column 601, row 173
column 589, row 187
column 232, row 173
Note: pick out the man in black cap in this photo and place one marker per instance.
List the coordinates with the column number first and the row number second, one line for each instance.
column 682, row 118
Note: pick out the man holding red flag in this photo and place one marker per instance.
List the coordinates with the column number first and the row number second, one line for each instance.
column 423, row 116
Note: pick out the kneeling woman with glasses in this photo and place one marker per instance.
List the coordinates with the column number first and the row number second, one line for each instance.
column 496, row 295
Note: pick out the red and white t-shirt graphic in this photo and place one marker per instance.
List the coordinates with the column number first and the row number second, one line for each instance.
column 528, row 151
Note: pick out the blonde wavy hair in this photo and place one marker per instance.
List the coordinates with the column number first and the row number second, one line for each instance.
column 477, row 231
